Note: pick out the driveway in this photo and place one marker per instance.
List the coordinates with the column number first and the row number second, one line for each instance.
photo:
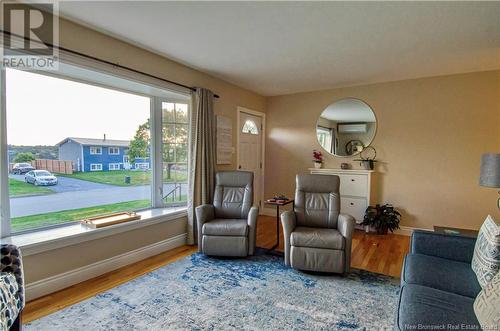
column 25, row 206
column 66, row 184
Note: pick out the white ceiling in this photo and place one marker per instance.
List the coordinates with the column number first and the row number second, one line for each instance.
column 349, row 110
column 285, row 47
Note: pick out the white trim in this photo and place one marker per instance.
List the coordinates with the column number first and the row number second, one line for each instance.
column 5, row 227
column 94, row 152
column 263, row 145
column 83, row 159
column 116, row 166
column 408, row 230
column 156, row 152
column 41, row 241
column 113, row 147
column 58, row 282
column 142, row 165
column 96, row 164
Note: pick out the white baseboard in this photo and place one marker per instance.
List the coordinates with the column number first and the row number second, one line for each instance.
column 58, row 282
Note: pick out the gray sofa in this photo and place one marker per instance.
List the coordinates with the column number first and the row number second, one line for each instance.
column 438, row 285
column 229, row 226
column 317, row 237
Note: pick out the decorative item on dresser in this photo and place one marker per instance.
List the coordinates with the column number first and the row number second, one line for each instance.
column 490, row 171
column 366, row 160
column 355, row 190
column 318, row 159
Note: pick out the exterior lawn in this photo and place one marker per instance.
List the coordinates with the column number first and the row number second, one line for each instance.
column 34, row 221
column 18, row 188
column 117, row 178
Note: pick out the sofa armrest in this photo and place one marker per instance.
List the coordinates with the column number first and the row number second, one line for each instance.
column 345, row 225
column 204, row 213
column 11, row 258
column 253, row 214
column 457, row 248
column 288, row 221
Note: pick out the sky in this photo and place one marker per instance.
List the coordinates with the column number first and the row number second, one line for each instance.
column 43, row 110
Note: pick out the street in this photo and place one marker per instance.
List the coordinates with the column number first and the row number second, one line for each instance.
column 89, row 197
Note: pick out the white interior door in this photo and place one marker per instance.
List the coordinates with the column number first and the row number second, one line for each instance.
column 250, row 151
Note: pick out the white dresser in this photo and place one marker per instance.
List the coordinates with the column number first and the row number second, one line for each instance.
column 355, row 190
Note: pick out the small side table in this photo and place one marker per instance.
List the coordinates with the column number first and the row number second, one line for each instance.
column 278, row 205
column 456, row 231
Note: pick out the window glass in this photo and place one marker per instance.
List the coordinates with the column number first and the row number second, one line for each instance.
column 175, row 150
column 250, row 127
column 88, row 182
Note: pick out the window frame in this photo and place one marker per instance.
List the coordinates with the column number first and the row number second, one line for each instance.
column 155, row 86
column 92, row 150
column 110, row 148
column 95, row 164
column 114, row 166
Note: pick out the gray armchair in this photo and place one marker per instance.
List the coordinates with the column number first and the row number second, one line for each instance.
column 317, row 236
column 229, row 226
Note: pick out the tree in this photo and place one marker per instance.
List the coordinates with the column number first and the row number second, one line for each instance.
column 139, row 146
column 24, row 157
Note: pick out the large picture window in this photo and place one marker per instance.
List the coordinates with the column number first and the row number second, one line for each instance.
column 94, row 146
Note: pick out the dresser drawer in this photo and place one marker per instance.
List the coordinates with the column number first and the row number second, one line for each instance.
column 354, row 185
column 355, row 207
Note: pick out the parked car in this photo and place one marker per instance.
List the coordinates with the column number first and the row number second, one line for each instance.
column 40, row 177
column 21, row 168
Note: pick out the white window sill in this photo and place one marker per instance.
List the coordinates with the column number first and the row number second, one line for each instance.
column 46, row 240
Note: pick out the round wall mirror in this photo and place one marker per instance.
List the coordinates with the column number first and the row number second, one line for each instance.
column 346, row 127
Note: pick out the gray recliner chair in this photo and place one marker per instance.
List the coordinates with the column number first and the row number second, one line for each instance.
column 317, row 236
column 229, row 226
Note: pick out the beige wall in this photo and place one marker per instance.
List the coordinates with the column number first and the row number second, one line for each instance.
column 57, row 261
column 431, row 134
column 93, row 43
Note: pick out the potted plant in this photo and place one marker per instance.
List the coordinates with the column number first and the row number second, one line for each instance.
column 318, row 159
column 382, row 218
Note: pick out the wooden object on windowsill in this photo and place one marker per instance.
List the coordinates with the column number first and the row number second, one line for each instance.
column 110, row 219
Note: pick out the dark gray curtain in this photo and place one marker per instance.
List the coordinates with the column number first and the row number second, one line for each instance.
column 202, row 156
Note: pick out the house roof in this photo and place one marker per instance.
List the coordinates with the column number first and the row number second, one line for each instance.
column 96, row 142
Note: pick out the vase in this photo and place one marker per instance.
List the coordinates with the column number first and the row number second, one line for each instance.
column 318, row 165
column 368, row 164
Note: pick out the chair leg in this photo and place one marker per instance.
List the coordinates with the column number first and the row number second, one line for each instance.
column 17, row 325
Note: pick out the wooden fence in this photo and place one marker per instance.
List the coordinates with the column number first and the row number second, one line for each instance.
column 55, row 166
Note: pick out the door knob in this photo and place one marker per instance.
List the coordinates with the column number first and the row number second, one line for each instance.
column 239, row 167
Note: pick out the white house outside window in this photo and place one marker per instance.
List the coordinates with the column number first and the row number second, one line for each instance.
column 95, row 167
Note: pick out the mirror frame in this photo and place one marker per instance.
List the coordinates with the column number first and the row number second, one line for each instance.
column 374, row 134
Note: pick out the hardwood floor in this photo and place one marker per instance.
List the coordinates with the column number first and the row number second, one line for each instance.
column 381, row 254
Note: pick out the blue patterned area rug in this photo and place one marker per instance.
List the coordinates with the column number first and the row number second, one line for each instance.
column 258, row 293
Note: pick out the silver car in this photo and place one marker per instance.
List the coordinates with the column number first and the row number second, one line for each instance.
column 40, row 178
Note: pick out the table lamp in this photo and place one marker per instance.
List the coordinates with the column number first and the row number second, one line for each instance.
column 490, row 171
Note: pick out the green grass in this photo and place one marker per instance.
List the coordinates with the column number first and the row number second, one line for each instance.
column 117, row 178
column 40, row 220
column 17, row 188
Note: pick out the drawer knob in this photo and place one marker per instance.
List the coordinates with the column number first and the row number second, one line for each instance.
column 352, row 203
column 352, row 180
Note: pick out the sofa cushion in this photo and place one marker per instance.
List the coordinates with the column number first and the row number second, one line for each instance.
column 442, row 274
column 425, row 308
column 486, row 259
column 9, row 300
column 317, row 238
column 487, row 305
column 225, row 227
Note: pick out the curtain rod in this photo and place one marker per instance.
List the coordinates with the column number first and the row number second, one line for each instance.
column 106, row 62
